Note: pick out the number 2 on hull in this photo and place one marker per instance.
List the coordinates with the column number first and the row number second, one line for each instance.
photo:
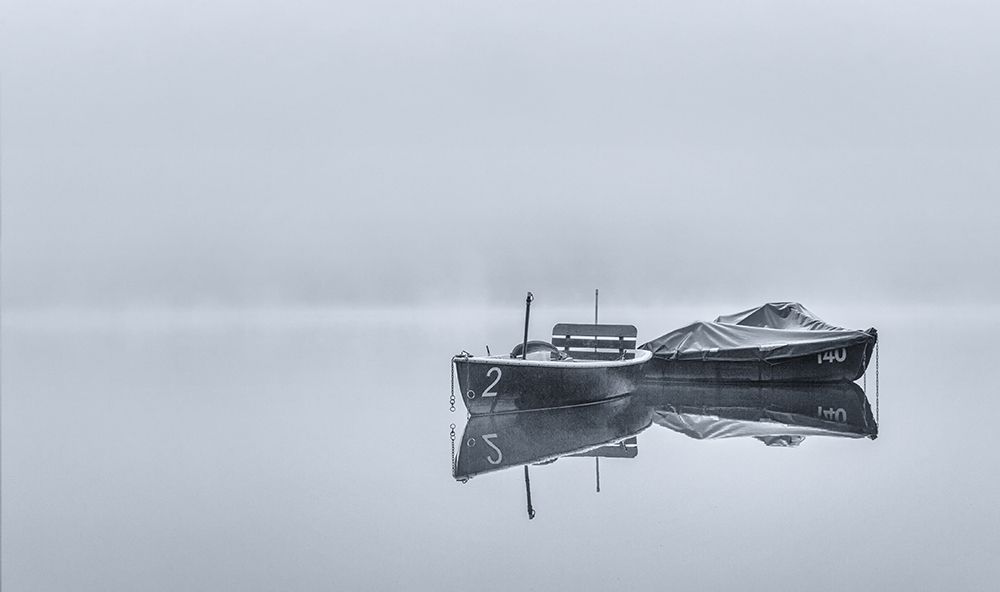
column 489, row 392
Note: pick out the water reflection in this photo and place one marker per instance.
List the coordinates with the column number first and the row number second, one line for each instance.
column 495, row 442
column 776, row 414
column 781, row 415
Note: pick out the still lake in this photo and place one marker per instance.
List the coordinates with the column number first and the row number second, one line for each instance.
column 309, row 450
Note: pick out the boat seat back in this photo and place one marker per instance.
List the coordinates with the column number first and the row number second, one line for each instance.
column 595, row 342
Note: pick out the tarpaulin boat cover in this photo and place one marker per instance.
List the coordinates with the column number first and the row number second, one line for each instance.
column 770, row 332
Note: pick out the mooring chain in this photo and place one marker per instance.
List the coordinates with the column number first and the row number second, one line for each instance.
column 452, row 399
column 454, row 459
column 465, row 355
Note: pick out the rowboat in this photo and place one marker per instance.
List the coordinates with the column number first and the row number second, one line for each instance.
column 582, row 364
column 776, row 342
column 499, row 384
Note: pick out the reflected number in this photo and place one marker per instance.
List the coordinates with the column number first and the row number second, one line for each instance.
column 489, row 390
column 488, row 438
column 834, row 355
column 831, row 414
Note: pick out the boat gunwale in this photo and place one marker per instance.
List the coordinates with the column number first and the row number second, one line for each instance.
column 641, row 356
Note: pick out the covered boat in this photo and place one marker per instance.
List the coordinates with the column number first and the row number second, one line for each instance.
column 778, row 342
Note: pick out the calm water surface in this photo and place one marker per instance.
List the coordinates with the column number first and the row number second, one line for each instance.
column 310, row 450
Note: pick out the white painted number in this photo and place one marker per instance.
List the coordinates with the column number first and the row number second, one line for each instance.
column 488, row 438
column 489, row 390
column 834, row 355
column 831, row 414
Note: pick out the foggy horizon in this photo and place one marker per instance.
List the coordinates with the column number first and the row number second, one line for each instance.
column 393, row 154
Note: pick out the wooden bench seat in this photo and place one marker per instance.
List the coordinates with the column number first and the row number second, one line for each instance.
column 595, row 342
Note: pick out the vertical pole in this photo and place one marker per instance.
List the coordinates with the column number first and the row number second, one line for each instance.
column 597, row 459
column 595, row 314
column 527, row 493
column 527, row 314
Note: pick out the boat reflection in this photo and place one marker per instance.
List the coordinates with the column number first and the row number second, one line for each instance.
column 775, row 414
column 495, row 442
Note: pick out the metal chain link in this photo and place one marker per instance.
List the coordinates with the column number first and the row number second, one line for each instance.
column 454, row 459
column 452, row 399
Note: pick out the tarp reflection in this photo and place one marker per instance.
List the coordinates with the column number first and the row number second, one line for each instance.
column 776, row 414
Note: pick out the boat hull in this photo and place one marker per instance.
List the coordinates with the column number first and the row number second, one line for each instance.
column 502, row 385
column 840, row 364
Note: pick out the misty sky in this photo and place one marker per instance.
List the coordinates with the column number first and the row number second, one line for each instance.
column 245, row 153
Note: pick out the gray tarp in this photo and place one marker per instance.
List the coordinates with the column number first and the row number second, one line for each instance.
column 770, row 332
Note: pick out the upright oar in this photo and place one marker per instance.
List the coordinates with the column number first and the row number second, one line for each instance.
column 524, row 356
column 527, row 314
column 527, row 493
column 597, row 459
